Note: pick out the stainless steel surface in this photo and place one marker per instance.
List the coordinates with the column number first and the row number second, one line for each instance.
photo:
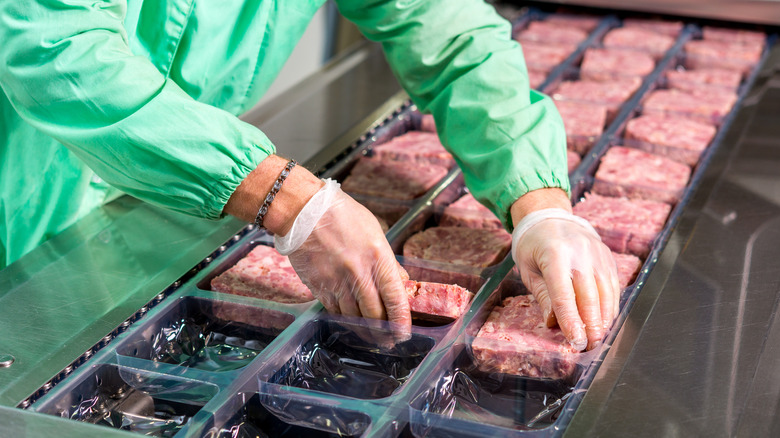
column 65, row 296
column 746, row 11
column 698, row 354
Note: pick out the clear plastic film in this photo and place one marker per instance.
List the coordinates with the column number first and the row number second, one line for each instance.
column 262, row 416
column 354, row 361
column 127, row 399
column 307, row 219
column 215, row 336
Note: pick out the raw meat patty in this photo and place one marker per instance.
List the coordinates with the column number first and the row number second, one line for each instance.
column 719, row 54
column 738, row 36
column 447, row 300
column 609, row 64
column 627, row 266
column 639, row 39
column 416, row 146
column 478, row 247
column 264, row 274
column 680, row 139
column 550, row 32
column 668, row 28
column 584, row 122
column 392, row 179
column 708, row 106
column 703, row 78
column 516, row 340
column 545, row 56
column 637, row 174
column 468, row 212
column 536, row 78
column 610, row 94
column 625, row 225
column 573, row 160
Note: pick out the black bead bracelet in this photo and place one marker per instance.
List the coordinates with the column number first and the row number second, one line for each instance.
column 272, row 193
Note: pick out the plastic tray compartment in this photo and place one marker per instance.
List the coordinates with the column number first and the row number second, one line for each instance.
column 125, row 398
column 255, row 415
column 208, row 335
column 233, row 256
column 408, row 119
column 471, row 278
column 465, row 401
column 356, row 359
column 429, row 215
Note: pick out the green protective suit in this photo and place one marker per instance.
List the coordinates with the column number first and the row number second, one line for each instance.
column 141, row 97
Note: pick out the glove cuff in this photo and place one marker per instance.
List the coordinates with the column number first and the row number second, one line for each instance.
column 541, row 215
column 307, row 219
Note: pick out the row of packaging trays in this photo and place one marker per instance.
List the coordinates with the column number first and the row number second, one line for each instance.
column 411, row 390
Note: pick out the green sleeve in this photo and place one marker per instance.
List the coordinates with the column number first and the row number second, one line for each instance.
column 66, row 67
column 457, row 60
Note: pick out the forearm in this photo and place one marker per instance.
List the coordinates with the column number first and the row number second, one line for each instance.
column 70, row 74
column 296, row 190
column 458, row 61
column 538, row 200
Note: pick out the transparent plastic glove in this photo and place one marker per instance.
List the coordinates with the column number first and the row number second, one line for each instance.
column 340, row 252
column 571, row 273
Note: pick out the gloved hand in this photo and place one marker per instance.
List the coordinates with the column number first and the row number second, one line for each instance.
column 338, row 249
column 571, row 273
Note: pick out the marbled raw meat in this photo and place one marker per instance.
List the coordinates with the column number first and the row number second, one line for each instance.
column 704, row 78
column 468, row 212
column 668, row 28
column 584, row 122
column 392, row 179
column 264, row 274
column 638, row 174
column 627, row 267
column 550, row 32
column 708, row 106
column 639, row 39
column 738, row 36
column 545, row 56
column 437, row 299
column 677, row 138
column 720, row 54
column 610, row 94
column 416, row 146
column 536, row 78
column 477, row 247
column 516, row 340
column 572, row 160
column 609, row 64
column 625, row 225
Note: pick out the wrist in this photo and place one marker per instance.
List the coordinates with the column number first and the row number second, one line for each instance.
column 538, row 200
column 299, row 186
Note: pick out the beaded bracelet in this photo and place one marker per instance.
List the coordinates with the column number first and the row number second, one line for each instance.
column 272, row 193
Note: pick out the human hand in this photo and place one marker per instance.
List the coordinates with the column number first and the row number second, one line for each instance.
column 338, row 249
column 572, row 274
